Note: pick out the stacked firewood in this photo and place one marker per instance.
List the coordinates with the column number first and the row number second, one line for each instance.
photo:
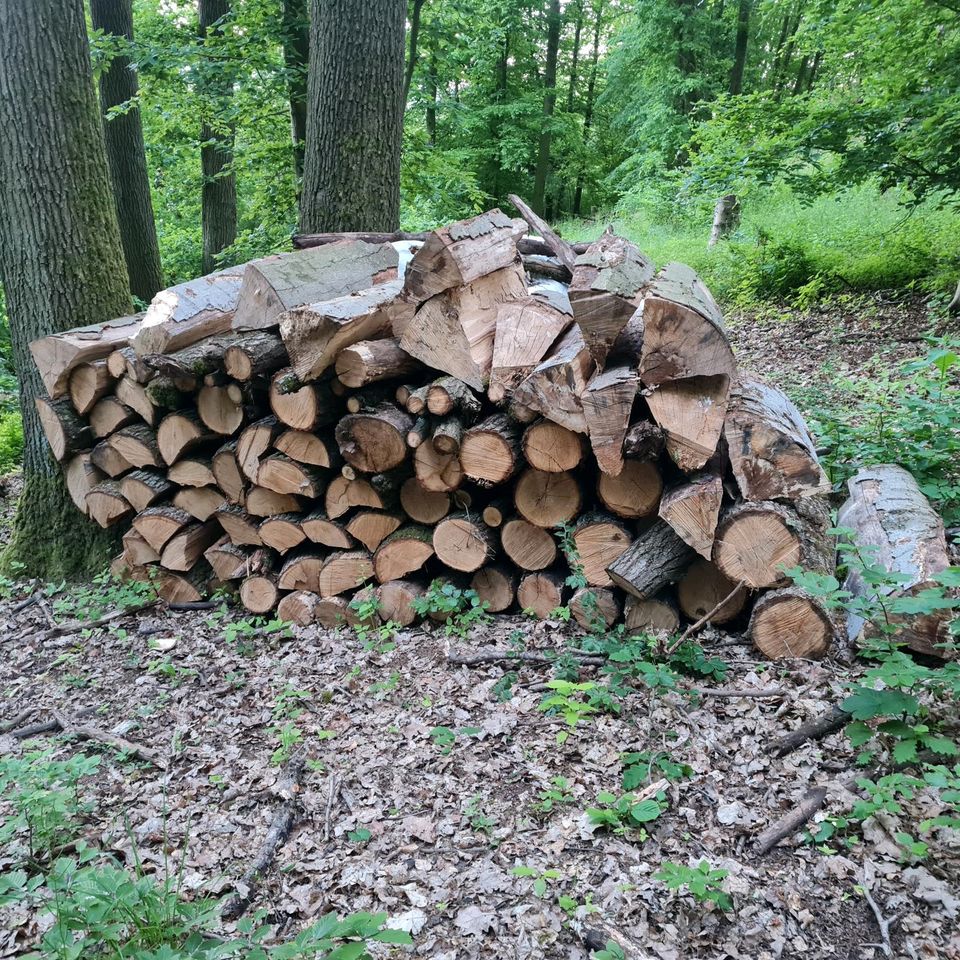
column 363, row 414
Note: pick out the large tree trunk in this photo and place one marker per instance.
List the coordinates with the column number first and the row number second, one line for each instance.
column 591, row 97
column 123, row 134
column 54, row 199
column 740, row 47
column 296, row 57
column 351, row 175
column 219, row 190
column 549, row 103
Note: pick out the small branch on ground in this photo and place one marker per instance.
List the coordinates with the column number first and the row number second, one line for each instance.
column 792, row 822
column 694, row 627
column 88, row 732
column 833, row 720
column 882, row 922
column 527, row 656
column 72, row 626
column 332, row 794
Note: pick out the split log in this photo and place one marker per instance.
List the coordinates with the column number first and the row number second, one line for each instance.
column 299, row 607
column 550, row 447
column 376, row 441
column 109, row 415
column 253, row 443
column 403, row 552
column 318, row 528
column 396, row 601
column 227, row 472
column 607, row 405
column 344, row 571
column 563, row 251
column 200, row 502
column 106, row 503
column 595, row 608
column 138, row 446
column 192, row 311
column 82, row 475
column 496, row 586
column 107, row 459
column 599, row 540
column 771, row 451
column 254, row 355
column 634, row 492
column 703, row 588
column 343, row 494
column 158, row 525
column 280, row 474
column 180, row 432
column 259, row 593
column 448, row 395
column 229, row 562
column 189, row 587
column 261, row 502
column 657, row 615
column 126, row 363
column 335, row 612
column 448, row 435
column 315, row 334
column 192, row 473
column 644, row 441
column 282, row 282
column 143, row 488
column 423, row 506
column 185, row 548
column 65, row 430
column 608, row 284
column 240, row 527
column 136, row 551
column 490, row 452
column 528, row 546
column 540, row 594
column 547, row 499
column 691, row 414
column 308, row 448
column 371, row 361
column 134, row 395
column 89, row 382
column 221, row 408
column 889, row 515
column 693, row 509
column 372, row 527
column 462, row 543
column 756, row 542
column 301, row 572
column 791, row 623
column 166, row 394
column 303, row 406
column 655, row 559
column 437, row 472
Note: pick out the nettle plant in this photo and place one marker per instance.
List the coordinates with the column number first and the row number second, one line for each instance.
column 703, row 882
column 462, row 609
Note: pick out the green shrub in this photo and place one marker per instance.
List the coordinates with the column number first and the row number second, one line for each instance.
column 11, row 441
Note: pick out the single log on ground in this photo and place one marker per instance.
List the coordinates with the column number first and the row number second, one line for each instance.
column 227, row 472
column 89, row 382
column 372, row 527
column 607, row 405
column 771, row 451
column 423, row 506
column 136, row 551
column 259, row 593
column 200, row 502
column 599, row 540
column 106, row 503
column 396, row 601
column 547, row 499
column 463, row 543
column 377, row 441
column 656, row 615
column 308, row 448
column 221, row 408
column 143, row 488
column 703, row 587
column 595, row 608
column 65, row 430
column 693, row 509
column 655, row 559
column 691, row 414
column 530, row 547
column 82, row 475
column 109, row 415
column 299, row 607
column 185, row 548
column 108, row 459
column 303, row 406
column 283, row 532
column 791, row 623
column 644, row 441
column 448, row 395
column 134, row 395
column 253, row 444
column 370, row 361
column 280, row 474
column 192, row 472
column 256, row 354
column 888, row 512
column 437, row 472
column 447, row 435
column 550, row 447
column 496, row 586
column 756, row 542
column 284, row 281
column 301, row 572
column 180, row 432
column 157, row 525
column 540, row 594
column 344, row 571
column 403, row 552
column 490, row 452
column 241, row 528
column 634, row 492
column 261, row 502
column 137, row 445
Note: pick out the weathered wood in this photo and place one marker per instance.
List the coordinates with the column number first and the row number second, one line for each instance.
column 691, row 414
column 309, row 448
column 200, row 502
column 299, row 607
column 65, row 430
column 229, row 562
column 109, row 415
column 372, row 527
column 240, row 527
column 656, row 615
column 137, row 445
column 463, row 543
column 599, row 540
column 540, row 594
column 124, row 362
column 227, row 472
column 166, row 394
column 402, row 553
column 82, row 475
column 448, row 395
column 490, row 452
column 376, row 441
column 157, row 525
column 221, row 408
column 644, row 441
column 416, row 402
column 530, row 547
column 693, row 509
column 192, row 472
column 193, row 362
column 702, row 589
column 437, row 472
column 302, row 406
column 136, row 551
column 607, row 405
column 106, row 503
column 419, row 432
column 423, row 506
column 547, row 499
column 143, row 488
column 185, row 548
column 89, row 382
column 179, row 432
column 344, row 571
column 280, row 474
column 371, row 361
column 448, row 435
column 108, row 459
column 496, row 586
column 595, row 608
column 396, row 601
column 256, row 354
column 634, row 492
column 563, row 251
column 253, row 444
column 655, row 559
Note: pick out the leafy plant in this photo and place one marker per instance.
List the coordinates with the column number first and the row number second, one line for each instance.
column 479, row 819
column 575, row 702
column 288, row 735
column 541, row 878
column 702, row 882
column 626, row 812
column 557, row 793
column 639, row 768
column 461, row 609
column 104, row 594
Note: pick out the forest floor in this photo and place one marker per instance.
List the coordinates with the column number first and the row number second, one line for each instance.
column 425, row 790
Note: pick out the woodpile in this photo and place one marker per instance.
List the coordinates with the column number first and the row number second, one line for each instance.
column 368, row 414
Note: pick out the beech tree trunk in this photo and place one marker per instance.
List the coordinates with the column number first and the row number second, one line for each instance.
column 296, row 57
column 55, row 198
column 351, row 177
column 549, row 103
column 126, row 155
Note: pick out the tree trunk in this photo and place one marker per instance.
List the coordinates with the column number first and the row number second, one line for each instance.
column 60, row 254
column 296, row 57
column 219, row 190
column 740, row 47
column 575, row 57
column 126, row 156
column 351, row 175
column 591, row 96
column 412, row 54
column 549, row 103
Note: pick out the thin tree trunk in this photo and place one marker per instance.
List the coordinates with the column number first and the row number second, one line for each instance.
column 126, row 155
column 549, row 103
column 219, row 190
column 351, row 178
column 296, row 57
column 799, row 84
column 814, row 70
column 500, row 99
column 431, row 113
column 412, row 54
column 782, row 66
column 591, row 95
column 61, row 259
column 575, row 57
column 740, row 47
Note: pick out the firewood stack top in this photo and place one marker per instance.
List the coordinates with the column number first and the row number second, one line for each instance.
column 322, row 421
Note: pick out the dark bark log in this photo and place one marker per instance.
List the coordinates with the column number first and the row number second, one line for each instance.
column 656, row 558
column 296, row 58
column 740, row 47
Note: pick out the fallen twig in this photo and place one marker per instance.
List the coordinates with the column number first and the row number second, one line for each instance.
column 89, row 732
column 793, row 821
column 835, row 719
column 194, row 605
column 733, row 693
column 528, row 656
column 332, row 793
column 882, row 922
column 22, row 717
column 74, row 625
column 23, row 604
column 694, row 627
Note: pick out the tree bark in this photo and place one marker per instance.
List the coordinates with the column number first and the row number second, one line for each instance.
column 591, row 97
column 740, row 47
column 296, row 57
column 351, row 175
column 549, row 103
column 412, row 54
column 60, row 254
column 126, row 155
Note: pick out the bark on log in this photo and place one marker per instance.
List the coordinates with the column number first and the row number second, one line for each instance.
column 227, row 472
column 599, row 540
column 138, row 446
column 448, row 435
column 241, row 528
column 134, row 395
column 253, row 444
column 403, row 552
column 595, row 608
column 157, row 525
column 644, row 441
column 791, row 623
column 180, row 432
column 302, row 406
column 318, row 528
column 107, row 505
column 280, row 474
column 607, row 405
column 655, row 559
column 703, row 587
column 376, row 441
column 344, row 571
column 299, row 607
column 634, row 492
column 693, row 509
column 371, row 361
column 185, row 548
column 540, row 594
column 230, row 562
column 196, row 472
column 656, row 615
column 254, row 355
column 448, row 395
column 166, row 394
column 463, row 543
column 65, row 430
column 550, row 447
column 109, row 415
column 490, row 452
column 547, row 499
column 530, row 547
column 496, row 586
column 563, row 251
column 143, row 488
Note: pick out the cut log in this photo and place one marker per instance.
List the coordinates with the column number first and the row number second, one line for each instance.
column 791, row 623
column 403, row 552
column 889, row 515
column 644, row 441
column 703, row 587
column 374, row 442
column 184, row 587
column 343, row 494
column 138, row 446
column 608, row 284
column 423, row 506
column 301, row 572
column 240, row 527
column 692, row 509
column 59, row 354
column 261, row 502
column 657, row 615
column 344, row 571
column 299, row 607
column 200, row 502
column 280, row 474
column 227, row 472
column 419, row 432
column 284, row 281
column 318, row 528
column 547, row 499
column 599, row 540
column 108, row 460
column 771, row 451
column 259, row 593
column 136, row 551
column 335, row 612
column 490, row 452
column 448, row 435
column 221, row 408
column 437, row 472
column 454, row 330
column 143, row 488
column 369, row 398
column 634, row 492
column 555, row 387
column 562, row 250
column 302, row 406
column 117, row 362
column 595, row 608
column 691, row 414
column 528, row 546
column 256, row 354
column 540, row 594
column 308, row 448
column 396, row 601
column 371, row 361
column 180, row 432
column 193, row 363
column 756, row 542
column 65, row 430
column 157, row 525
column 253, row 443
column 109, row 415
column 134, row 395
column 184, row 549
column 448, row 395
column 496, row 586
column 655, row 559
column 192, row 311
column 192, row 473
column 495, row 513
column 607, row 405
column 229, row 562
column 315, row 334
column 416, row 402
column 125, row 363
column 82, row 475
column 106, row 503
column 550, row 447
column 462, row 543
column 89, row 382
column 372, row 527
column 167, row 394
